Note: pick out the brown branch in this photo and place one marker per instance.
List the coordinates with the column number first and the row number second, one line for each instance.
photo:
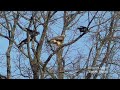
column 13, row 42
column 69, row 43
column 39, row 46
column 92, row 19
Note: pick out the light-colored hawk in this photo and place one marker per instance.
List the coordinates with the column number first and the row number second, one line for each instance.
column 57, row 40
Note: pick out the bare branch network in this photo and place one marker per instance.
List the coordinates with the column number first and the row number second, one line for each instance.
column 59, row 44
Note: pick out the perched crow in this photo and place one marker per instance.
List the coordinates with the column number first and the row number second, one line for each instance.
column 25, row 41
column 83, row 29
column 32, row 35
column 32, row 32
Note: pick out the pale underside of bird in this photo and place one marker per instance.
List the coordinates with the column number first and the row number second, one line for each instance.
column 58, row 43
column 57, row 40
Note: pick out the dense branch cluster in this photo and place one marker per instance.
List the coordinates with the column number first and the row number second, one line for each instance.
column 32, row 34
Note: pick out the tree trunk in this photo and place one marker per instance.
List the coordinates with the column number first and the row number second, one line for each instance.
column 36, row 69
column 8, row 57
column 60, row 65
column 8, row 64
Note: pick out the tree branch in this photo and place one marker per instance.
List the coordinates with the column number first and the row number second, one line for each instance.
column 69, row 43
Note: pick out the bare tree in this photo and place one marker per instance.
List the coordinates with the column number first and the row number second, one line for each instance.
column 61, row 44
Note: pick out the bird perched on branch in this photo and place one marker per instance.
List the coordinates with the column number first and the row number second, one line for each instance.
column 57, row 40
column 83, row 29
column 25, row 41
column 32, row 34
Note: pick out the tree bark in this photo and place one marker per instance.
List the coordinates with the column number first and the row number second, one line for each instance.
column 60, row 65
